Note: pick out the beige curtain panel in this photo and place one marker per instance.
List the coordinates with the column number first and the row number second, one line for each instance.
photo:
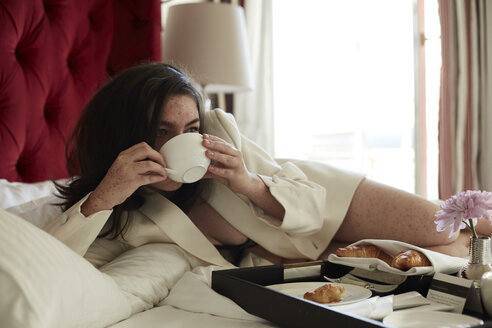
column 465, row 143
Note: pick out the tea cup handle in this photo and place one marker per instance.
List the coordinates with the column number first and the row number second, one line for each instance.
column 171, row 171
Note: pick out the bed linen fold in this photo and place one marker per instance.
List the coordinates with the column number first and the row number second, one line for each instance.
column 146, row 273
column 193, row 292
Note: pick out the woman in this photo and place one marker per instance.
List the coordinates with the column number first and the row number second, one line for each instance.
column 247, row 210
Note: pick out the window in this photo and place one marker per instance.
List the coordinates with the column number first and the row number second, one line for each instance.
column 344, row 75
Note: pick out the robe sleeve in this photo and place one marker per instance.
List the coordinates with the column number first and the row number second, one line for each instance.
column 302, row 199
column 76, row 230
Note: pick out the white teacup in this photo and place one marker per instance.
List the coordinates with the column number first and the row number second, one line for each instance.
column 185, row 158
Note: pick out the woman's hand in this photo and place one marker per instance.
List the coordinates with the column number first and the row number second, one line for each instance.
column 228, row 166
column 134, row 167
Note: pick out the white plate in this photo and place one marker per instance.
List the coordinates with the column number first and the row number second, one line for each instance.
column 351, row 293
column 430, row 319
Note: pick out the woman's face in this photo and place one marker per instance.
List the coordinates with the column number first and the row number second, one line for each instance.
column 179, row 115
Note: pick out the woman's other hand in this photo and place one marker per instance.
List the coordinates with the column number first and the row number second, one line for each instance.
column 228, row 166
column 134, row 167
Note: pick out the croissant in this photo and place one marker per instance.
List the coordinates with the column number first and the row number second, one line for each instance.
column 371, row 251
column 409, row 259
column 327, row 293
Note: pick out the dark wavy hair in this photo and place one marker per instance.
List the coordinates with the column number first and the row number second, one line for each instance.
column 122, row 113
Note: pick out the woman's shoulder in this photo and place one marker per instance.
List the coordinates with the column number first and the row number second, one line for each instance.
column 219, row 123
column 218, row 115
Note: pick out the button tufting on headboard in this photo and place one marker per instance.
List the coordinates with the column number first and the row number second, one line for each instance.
column 54, row 54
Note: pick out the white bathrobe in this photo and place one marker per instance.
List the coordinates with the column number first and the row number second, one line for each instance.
column 315, row 197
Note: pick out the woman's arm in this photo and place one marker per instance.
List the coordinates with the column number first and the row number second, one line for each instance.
column 261, row 196
column 286, row 198
column 80, row 225
column 75, row 230
column 134, row 167
column 228, row 167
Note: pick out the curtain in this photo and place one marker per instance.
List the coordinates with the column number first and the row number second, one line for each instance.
column 465, row 145
column 254, row 110
column 485, row 158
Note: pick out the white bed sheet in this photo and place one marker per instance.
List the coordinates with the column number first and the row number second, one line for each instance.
column 192, row 303
column 167, row 316
column 16, row 193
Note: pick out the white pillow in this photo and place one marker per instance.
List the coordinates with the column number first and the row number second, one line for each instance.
column 38, row 211
column 15, row 193
column 147, row 273
column 43, row 283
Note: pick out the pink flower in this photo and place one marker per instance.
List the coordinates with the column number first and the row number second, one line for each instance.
column 464, row 210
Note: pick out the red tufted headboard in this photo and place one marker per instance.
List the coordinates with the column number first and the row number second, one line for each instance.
column 54, row 54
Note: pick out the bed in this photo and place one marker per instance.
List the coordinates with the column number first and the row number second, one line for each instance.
column 54, row 54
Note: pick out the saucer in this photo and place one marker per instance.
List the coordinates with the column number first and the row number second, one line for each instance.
column 430, row 319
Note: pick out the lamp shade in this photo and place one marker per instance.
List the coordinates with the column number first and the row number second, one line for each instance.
column 209, row 40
